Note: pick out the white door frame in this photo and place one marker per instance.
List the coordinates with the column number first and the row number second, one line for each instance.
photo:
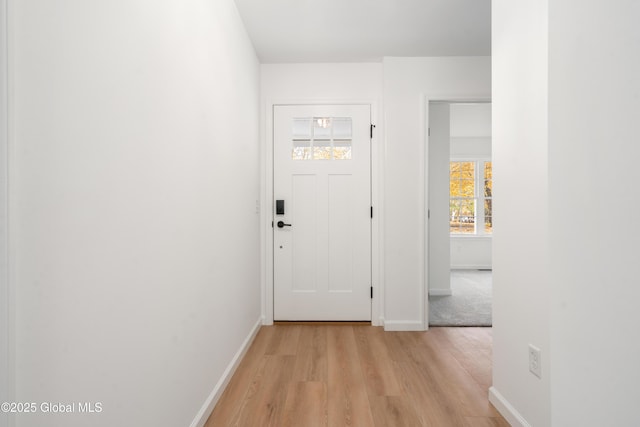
column 266, row 155
column 424, row 182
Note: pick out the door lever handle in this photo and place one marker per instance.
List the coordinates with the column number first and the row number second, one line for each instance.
column 282, row 224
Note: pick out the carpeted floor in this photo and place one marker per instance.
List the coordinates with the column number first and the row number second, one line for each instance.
column 469, row 304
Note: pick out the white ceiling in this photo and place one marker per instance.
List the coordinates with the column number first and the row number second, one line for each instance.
column 365, row 30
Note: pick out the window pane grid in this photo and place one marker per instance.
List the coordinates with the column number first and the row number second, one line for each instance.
column 462, row 204
column 488, row 198
column 322, row 138
column 470, row 197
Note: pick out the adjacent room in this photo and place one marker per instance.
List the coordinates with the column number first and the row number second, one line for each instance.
column 460, row 213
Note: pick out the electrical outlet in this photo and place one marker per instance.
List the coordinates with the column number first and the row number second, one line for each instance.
column 535, row 363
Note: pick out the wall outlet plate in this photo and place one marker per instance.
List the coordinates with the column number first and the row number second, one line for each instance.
column 535, row 362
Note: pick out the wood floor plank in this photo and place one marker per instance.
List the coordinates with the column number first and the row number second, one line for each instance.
column 394, row 411
column 311, row 360
column 397, row 344
column 306, row 405
column 479, row 366
column 264, row 403
column 434, row 407
column 485, row 422
column 348, row 402
column 477, row 362
column 377, row 365
column 448, row 373
column 238, row 387
column 284, row 340
column 358, row 375
column 481, row 337
column 465, row 338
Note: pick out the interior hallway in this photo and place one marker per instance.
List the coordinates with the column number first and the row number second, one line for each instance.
column 358, row 375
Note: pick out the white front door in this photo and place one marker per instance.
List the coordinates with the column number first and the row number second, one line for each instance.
column 322, row 212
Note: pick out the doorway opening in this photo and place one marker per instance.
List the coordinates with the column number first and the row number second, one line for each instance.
column 460, row 224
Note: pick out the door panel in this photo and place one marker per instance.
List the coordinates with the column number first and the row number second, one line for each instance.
column 322, row 262
column 304, row 245
column 340, row 237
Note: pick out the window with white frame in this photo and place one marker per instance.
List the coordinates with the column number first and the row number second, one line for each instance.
column 470, row 197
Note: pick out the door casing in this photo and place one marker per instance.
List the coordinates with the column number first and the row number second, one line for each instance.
column 424, row 183
column 267, row 200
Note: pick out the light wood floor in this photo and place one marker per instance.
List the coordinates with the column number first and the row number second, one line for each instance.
column 307, row 375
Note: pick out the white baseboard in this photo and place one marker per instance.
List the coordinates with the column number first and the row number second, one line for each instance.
column 509, row 413
column 399, row 325
column 440, row 292
column 206, row 410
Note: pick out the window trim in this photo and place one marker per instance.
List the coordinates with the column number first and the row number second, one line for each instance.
column 478, row 194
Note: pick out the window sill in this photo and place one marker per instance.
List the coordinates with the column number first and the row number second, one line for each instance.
column 471, row 236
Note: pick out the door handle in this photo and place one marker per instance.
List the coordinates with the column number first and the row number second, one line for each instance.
column 282, row 224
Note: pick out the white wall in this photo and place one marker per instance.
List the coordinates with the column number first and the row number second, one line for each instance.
column 580, row 304
column 477, row 147
column 471, row 120
column 438, row 250
column 469, row 253
column 321, row 82
column 407, row 81
column 318, row 83
column 520, row 169
column 134, row 179
column 470, row 130
column 470, row 140
column 594, row 106
column 5, row 368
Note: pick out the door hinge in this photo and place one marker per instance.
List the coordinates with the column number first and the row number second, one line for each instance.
column 371, row 130
column 371, row 211
column 428, row 213
column 428, row 131
column 372, row 292
column 271, row 224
